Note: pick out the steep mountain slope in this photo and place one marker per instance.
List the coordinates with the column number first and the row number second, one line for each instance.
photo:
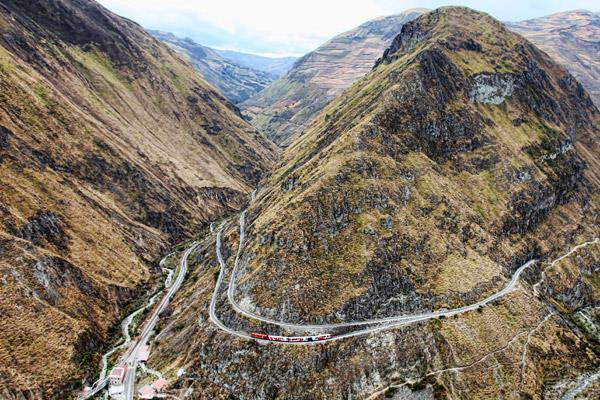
column 237, row 82
column 274, row 66
column 465, row 153
column 111, row 149
column 444, row 163
column 285, row 107
column 573, row 39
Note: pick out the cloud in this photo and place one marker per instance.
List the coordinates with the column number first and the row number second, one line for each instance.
column 262, row 25
column 295, row 27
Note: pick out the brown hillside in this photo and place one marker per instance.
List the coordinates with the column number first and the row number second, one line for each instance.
column 111, row 149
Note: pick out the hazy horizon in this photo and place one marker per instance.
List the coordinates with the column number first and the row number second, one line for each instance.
column 274, row 28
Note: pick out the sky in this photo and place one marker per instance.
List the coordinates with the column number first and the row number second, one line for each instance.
column 295, row 27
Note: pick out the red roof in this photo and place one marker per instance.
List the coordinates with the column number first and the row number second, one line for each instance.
column 146, row 392
column 118, row 372
column 159, row 384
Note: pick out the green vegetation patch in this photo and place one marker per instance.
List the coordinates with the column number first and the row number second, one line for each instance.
column 586, row 324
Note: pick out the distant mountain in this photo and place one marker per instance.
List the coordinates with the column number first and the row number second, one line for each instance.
column 235, row 80
column 286, row 106
column 273, row 66
column 573, row 39
column 112, row 149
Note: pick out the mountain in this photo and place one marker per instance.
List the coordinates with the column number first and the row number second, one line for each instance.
column 460, row 147
column 274, row 66
column 573, row 39
column 464, row 154
column 236, row 81
column 286, row 106
column 112, row 149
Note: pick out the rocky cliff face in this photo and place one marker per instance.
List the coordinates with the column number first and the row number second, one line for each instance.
column 463, row 154
column 287, row 106
column 572, row 39
column 111, row 149
column 237, row 82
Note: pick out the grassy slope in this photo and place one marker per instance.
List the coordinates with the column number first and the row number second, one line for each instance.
column 110, row 152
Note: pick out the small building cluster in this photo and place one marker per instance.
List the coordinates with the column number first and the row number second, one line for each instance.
column 149, row 391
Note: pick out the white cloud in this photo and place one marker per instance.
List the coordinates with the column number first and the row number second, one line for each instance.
column 298, row 26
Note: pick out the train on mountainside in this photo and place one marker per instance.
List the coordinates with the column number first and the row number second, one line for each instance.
column 293, row 339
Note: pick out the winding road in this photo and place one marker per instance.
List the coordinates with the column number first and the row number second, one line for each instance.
column 213, row 302
column 374, row 325
column 401, row 318
column 366, row 327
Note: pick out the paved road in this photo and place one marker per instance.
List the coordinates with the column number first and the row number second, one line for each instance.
column 102, row 381
column 401, row 318
column 213, row 302
column 131, row 356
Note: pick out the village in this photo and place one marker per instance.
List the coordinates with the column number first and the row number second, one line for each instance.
column 119, row 379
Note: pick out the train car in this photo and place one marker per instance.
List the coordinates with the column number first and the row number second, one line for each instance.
column 259, row 336
column 278, row 338
column 324, row 337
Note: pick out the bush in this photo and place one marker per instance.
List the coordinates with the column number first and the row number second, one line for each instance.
column 435, row 324
column 418, row 386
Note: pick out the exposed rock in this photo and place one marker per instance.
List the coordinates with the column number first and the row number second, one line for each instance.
column 5, row 134
column 45, row 225
column 491, row 89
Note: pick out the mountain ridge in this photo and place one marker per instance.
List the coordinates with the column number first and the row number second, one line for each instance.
column 442, row 137
column 465, row 154
column 571, row 38
column 237, row 82
column 286, row 106
column 111, row 150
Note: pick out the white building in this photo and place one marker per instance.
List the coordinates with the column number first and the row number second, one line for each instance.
column 117, row 375
column 116, row 381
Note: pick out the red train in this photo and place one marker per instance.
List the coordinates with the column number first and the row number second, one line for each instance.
column 272, row 338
